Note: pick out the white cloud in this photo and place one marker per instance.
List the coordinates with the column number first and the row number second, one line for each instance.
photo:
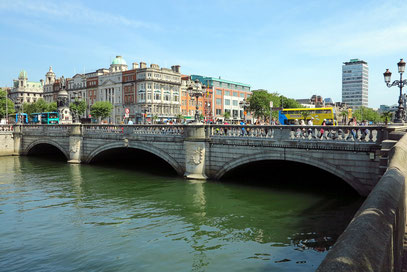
column 73, row 12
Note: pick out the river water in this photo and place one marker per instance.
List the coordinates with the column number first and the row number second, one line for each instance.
column 60, row 217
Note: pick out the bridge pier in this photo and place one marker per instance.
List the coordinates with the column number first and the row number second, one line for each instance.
column 195, row 150
column 17, row 135
column 75, row 144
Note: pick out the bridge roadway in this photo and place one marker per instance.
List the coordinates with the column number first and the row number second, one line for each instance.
column 210, row 151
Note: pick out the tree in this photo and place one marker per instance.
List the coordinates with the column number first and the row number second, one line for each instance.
column 3, row 101
column 77, row 107
column 364, row 113
column 344, row 115
column 52, row 107
column 226, row 115
column 305, row 115
column 260, row 103
column 179, row 118
column 101, row 109
column 387, row 116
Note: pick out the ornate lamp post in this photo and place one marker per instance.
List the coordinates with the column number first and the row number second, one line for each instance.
column 77, row 99
column 196, row 90
column 400, row 113
column 245, row 105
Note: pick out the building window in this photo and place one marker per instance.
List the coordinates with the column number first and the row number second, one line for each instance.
column 234, row 102
column 242, row 95
column 234, row 93
column 227, row 102
column 227, row 93
column 218, row 92
column 218, row 111
column 218, row 101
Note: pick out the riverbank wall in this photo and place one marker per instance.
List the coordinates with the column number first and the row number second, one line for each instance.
column 6, row 143
column 373, row 241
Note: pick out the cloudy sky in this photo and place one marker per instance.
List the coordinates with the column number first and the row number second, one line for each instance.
column 295, row 48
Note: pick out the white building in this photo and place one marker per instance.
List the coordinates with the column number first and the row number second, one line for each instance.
column 110, row 88
column 355, row 75
column 25, row 91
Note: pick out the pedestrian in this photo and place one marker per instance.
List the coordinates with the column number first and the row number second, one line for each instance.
column 310, row 124
column 130, row 122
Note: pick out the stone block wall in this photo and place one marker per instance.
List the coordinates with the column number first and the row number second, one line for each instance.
column 373, row 241
column 6, row 143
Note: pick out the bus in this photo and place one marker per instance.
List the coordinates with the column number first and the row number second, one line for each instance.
column 49, row 118
column 288, row 116
column 35, row 118
column 19, row 117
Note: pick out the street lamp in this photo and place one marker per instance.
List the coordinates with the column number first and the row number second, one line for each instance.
column 400, row 113
column 77, row 99
column 245, row 105
column 196, row 90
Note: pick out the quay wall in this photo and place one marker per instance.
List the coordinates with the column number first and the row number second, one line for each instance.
column 6, row 143
column 373, row 241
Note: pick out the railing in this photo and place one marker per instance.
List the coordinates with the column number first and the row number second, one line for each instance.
column 368, row 134
column 373, row 134
column 134, row 129
column 6, row 128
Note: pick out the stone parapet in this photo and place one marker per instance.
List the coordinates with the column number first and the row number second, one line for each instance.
column 373, row 241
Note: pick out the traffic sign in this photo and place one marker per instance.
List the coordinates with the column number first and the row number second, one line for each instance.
column 271, row 104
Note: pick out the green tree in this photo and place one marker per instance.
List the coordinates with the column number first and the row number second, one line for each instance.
column 226, row 115
column 52, row 107
column 260, row 103
column 179, row 118
column 387, row 116
column 78, row 107
column 155, row 117
column 3, row 101
column 364, row 113
column 305, row 115
column 101, row 109
column 344, row 115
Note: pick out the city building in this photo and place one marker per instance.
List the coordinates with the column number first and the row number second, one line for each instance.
column 355, row 75
column 223, row 96
column 25, row 91
column 158, row 92
column 50, row 79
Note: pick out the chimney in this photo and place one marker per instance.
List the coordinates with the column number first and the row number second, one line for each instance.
column 143, row 65
column 135, row 65
column 176, row 68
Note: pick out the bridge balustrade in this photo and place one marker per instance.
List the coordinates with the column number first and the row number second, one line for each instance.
column 371, row 134
column 134, row 129
column 6, row 128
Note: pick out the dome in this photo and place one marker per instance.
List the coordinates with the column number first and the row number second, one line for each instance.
column 23, row 74
column 119, row 60
column 50, row 72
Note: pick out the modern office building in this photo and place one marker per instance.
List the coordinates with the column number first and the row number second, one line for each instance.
column 355, row 75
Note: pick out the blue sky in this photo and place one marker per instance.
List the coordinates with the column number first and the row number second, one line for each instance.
column 295, row 48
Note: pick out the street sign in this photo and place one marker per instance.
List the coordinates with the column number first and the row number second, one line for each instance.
column 271, row 104
column 276, row 109
column 126, row 112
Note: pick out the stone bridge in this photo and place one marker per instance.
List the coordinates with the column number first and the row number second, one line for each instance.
column 357, row 155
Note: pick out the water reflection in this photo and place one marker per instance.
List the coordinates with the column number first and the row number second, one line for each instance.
column 154, row 223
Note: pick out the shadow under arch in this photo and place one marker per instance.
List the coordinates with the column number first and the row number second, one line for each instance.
column 140, row 146
column 335, row 170
column 30, row 148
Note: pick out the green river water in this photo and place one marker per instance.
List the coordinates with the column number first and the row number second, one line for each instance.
column 60, row 217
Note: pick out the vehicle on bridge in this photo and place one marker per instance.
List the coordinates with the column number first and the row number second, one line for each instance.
column 50, row 118
column 35, row 118
column 19, row 117
column 288, row 116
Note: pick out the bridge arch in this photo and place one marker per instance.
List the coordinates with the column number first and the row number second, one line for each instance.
column 136, row 145
column 49, row 142
column 304, row 159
